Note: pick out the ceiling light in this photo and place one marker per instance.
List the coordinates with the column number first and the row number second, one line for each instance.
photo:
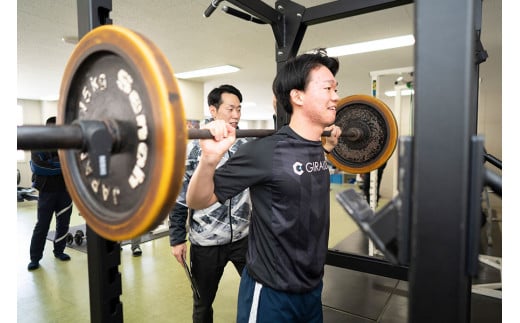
column 70, row 39
column 224, row 69
column 371, row 46
column 403, row 92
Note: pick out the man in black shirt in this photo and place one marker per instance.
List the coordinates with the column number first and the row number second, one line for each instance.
column 289, row 183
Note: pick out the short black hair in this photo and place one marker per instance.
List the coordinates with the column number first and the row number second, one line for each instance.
column 294, row 74
column 51, row 120
column 215, row 96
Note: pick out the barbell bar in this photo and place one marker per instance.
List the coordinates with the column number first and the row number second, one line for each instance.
column 121, row 133
column 34, row 137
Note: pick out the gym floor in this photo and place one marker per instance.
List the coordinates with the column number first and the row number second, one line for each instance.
column 155, row 287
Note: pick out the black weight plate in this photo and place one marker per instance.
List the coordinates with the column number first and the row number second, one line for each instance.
column 78, row 238
column 117, row 74
column 376, row 138
column 69, row 238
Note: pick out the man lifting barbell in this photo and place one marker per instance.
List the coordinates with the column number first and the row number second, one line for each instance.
column 122, row 138
column 121, row 133
column 289, row 183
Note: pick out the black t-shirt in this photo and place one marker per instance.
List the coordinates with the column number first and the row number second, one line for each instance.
column 289, row 184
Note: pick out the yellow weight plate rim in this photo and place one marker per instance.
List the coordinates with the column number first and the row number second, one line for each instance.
column 169, row 129
column 392, row 132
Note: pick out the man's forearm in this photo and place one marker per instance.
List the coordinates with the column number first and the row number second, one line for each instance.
column 200, row 193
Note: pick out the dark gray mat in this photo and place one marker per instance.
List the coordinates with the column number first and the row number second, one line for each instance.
column 83, row 246
column 357, row 297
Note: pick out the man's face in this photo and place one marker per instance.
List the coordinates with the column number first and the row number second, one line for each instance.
column 320, row 96
column 229, row 110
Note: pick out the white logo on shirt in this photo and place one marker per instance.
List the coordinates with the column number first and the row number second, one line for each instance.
column 297, row 168
column 310, row 167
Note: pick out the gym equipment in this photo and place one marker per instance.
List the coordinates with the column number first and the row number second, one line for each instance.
column 24, row 193
column 69, row 238
column 371, row 134
column 79, row 236
column 122, row 135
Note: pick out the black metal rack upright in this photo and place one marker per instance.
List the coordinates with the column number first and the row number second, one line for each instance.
column 445, row 123
column 104, row 256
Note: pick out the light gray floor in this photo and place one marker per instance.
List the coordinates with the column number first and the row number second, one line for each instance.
column 155, row 288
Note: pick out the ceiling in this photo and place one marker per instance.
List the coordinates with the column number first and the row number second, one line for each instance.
column 191, row 42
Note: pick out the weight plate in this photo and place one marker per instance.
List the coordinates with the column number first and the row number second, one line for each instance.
column 117, row 74
column 372, row 136
column 78, row 237
column 69, row 238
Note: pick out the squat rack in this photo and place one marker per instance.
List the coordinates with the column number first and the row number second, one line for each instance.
column 447, row 38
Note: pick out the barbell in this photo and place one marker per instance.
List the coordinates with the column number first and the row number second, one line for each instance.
column 121, row 133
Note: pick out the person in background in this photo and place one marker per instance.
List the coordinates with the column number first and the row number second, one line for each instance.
column 289, row 182
column 366, row 183
column 218, row 233
column 53, row 198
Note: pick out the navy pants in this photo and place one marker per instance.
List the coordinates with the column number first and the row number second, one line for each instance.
column 207, row 267
column 50, row 203
column 261, row 304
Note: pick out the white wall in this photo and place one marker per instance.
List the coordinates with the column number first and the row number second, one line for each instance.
column 192, row 94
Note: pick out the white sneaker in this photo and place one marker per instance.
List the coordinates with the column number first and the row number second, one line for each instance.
column 136, row 251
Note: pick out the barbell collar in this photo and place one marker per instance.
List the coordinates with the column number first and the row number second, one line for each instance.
column 353, row 134
column 100, row 142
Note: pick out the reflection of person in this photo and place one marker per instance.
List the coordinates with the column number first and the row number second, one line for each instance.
column 289, row 181
column 53, row 198
column 366, row 183
column 218, row 233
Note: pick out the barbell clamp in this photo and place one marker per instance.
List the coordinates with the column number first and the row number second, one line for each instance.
column 99, row 143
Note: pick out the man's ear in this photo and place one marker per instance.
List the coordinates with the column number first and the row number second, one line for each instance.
column 213, row 111
column 297, row 96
